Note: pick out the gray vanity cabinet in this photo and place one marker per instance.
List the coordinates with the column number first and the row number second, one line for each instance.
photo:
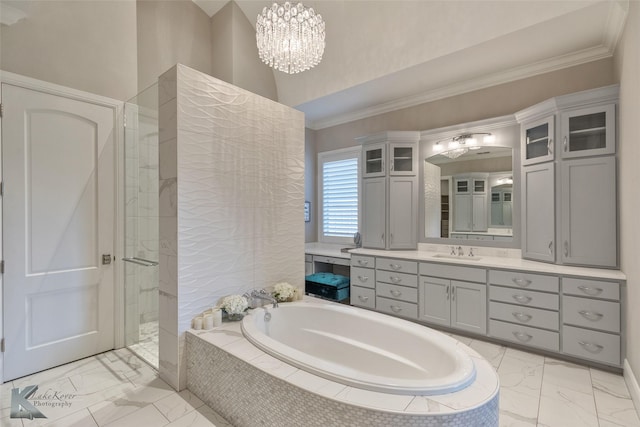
column 389, row 182
column 538, row 212
column 457, row 299
column 588, row 212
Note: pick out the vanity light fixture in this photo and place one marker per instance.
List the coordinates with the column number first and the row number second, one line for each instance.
column 290, row 37
column 461, row 144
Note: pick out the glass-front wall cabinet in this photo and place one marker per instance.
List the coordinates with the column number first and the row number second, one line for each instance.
column 538, row 139
column 588, row 131
column 374, row 160
column 402, row 160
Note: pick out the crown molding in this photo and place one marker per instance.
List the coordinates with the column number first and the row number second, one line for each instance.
column 541, row 67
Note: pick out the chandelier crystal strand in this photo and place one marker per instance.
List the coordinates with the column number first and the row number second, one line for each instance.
column 290, row 38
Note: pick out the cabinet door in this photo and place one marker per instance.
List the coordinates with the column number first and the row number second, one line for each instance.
column 403, row 208
column 434, row 302
column 462, row 208
column 589, row 214
column 373, row 212
column 538, row 212
column 479, row 222
column 537, row 141
column 469, row 306
column 374, row 160
column 402, row 159
column 588, row 131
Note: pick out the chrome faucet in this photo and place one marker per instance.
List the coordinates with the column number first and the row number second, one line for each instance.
column 260, row 294
column 453, row 250
column 460, row 251
column 471, row 252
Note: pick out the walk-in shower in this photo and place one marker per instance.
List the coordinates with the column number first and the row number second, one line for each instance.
column 141, row 224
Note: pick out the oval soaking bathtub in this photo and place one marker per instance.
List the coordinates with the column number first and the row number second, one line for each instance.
column 361, row 348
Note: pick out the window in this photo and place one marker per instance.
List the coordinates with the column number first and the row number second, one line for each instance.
column 338, row 195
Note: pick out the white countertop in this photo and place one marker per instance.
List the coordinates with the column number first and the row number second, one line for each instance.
column 485, row 259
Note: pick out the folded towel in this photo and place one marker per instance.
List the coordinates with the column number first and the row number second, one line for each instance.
column 335, row 280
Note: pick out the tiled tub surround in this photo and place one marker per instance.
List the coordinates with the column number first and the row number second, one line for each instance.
column 249, row 387
column 231, row 195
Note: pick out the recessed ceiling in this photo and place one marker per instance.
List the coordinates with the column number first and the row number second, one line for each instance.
column 385, row 55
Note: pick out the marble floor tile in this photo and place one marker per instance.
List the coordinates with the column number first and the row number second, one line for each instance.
column 567, row 375
column 201, row 417
column 562, row 407
column 616, row 409
column 521, row 374
column 515, row 420
column 175, row 405
column 492, row 352
column 145, row 416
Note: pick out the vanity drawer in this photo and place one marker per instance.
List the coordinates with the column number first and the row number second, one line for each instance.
column 397, row 308
column 467, row 274
column 591, row 288
column 363, row 297
column 397, row 278
column 331, row 260
column 363, row 261
column 525, row 335
column 397, row 265
column 587, row 344
column 402, row 293
column 363, row 277
column 524, row 315
column 591, row 313
column 524, row 297
column 522, row 280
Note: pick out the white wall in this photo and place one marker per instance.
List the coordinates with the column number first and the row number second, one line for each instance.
column 628, row 69
column 231, row 201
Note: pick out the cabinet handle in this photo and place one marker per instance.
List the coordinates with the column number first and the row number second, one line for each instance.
column 550, row 146
column 524, row 299
column 390, row 238
column 522, row 316
column 447, row 291
column 589, row 290
column 363, row 278
column 363, row 299
column 396, row 309
column 523, row 283
column 395, row 293
column 395, row 279
column 566, row 249
column 363, row 262
column 565, row 144
column 395, row 267
column 382, row 237
column 522, row 336
column 591, row 347
column 551, row 247
column 391, row 167
column 453, row 293
column 591, row 315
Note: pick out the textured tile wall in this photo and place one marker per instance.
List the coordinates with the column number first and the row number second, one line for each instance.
column 231, row 200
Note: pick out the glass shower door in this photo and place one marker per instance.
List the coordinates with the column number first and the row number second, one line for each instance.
column 141, row 225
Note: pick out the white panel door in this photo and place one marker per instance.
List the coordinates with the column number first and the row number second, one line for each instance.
column 469, row 306
column 58, row 221
column 538, row 212
column 434, row 300
column 462, row 212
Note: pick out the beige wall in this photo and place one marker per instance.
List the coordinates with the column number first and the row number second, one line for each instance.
column 235, row 55
column 170, row 32
column 84, row 45
column 482, row 104
column 627, row 66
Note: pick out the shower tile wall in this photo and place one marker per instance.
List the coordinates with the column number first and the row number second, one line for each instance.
column 141, row 211
column 231, row 201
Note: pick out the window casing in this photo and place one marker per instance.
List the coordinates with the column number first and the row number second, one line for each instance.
column 338, row 195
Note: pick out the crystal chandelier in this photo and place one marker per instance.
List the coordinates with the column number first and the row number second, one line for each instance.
column 290, row 38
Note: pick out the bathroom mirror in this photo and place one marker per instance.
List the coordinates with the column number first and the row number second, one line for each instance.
column 470, row 196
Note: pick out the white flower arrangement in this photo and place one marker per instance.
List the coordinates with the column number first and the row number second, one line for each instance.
column 284, row 291
column 234, row 304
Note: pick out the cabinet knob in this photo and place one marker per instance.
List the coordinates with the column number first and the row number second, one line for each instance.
column 522, row 336
column 396, row 309
column 395, row 266
column 363, row 278
column 363, row 262
column 395, row 279
column 395, row 293
column 521, row 282
column 591, row 315
column 591, row 347
column 523, row 299
column 589, row 290
column 363, row 298
column 522, row 317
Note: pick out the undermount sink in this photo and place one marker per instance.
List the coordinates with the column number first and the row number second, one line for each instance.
column 459, row 258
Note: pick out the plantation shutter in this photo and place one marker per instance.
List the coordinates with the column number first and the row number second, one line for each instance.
column 340, row 198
